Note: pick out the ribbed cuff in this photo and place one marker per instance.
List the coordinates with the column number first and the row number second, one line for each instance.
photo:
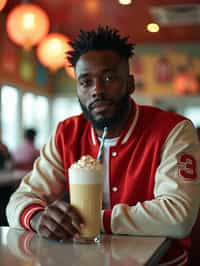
column 28, row 213
column 107, row 221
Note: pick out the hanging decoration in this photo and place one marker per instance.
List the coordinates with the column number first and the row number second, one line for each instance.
column 163, row 70
column 26, row 67
column 2, row 4
column 137, row 69
column 41, row 74
column 27, row 24
column 51, row 51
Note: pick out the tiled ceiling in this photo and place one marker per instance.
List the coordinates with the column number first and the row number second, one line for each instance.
column 69, row 16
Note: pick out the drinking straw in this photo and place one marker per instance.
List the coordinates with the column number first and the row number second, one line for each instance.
column 100, row 152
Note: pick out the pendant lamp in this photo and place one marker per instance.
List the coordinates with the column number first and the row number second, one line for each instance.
column 51, row 51
column 27, row 24
column 2, row 4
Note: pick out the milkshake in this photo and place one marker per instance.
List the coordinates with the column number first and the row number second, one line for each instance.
column 86, row 187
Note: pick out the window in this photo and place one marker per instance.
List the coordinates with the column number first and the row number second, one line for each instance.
column 35, row 114
column 63, row 108
column 193, row 113
column 10, row 119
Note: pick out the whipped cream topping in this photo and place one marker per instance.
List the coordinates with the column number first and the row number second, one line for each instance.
column 87, row 162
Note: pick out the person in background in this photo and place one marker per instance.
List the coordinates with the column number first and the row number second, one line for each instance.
column 151, row 156
column 26, row 153
column 5, row 157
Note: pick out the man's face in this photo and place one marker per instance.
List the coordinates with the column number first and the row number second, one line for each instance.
column 103, row 87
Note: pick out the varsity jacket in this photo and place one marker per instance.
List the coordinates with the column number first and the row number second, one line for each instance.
column 154, row 174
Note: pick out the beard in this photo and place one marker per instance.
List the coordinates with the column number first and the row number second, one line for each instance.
column 122, row 107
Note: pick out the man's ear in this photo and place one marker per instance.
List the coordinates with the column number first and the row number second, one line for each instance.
column 131, row 84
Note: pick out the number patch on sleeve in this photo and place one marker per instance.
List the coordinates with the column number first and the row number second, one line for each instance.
column 187, row 168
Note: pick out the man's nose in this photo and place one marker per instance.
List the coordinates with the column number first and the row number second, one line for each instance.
column 98, row 88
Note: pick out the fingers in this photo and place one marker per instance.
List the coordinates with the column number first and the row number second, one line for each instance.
column 71, row 212
column 60, row 221
column 52, row 231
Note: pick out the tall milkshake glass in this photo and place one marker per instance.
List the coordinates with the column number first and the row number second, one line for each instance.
column 86, row 187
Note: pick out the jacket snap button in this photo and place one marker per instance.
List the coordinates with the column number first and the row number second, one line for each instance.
column 114, row 189
column 114, row 154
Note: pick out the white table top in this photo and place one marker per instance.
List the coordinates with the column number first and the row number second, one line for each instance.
column 22, row 248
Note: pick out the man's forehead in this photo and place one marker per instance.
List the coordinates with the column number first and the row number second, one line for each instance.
column 98, row 59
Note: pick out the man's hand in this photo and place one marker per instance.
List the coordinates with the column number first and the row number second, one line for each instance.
column 59, row 221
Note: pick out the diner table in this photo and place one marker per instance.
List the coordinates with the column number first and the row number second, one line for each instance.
column 23, row 248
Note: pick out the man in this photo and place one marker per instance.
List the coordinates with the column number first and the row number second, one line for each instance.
column 152, row 180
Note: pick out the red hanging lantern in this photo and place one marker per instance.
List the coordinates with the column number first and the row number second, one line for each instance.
column 51, row 51
column 2, row 4
column 27, row 24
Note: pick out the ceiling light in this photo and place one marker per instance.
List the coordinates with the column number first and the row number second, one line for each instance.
column 153, row 27
column 125, row 2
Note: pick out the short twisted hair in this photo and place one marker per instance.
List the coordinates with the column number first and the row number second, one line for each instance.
column 103, row 38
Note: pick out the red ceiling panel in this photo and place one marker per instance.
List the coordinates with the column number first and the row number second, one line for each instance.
column 70, row 16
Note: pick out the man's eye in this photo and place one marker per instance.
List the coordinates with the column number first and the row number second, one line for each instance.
column 108, row 78
column 86, row 82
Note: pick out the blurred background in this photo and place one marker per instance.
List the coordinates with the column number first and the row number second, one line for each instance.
column 37, row 87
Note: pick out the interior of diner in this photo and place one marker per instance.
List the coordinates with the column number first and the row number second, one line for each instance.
column 37, row 86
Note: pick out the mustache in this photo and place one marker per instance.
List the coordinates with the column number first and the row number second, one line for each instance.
column 98, row 102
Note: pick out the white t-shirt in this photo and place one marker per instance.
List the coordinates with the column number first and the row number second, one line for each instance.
column 106, row 191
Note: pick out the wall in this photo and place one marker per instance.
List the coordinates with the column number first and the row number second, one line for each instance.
column 150, row 57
